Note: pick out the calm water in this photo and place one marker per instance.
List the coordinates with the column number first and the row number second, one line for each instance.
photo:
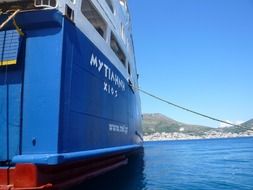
column 184, row 165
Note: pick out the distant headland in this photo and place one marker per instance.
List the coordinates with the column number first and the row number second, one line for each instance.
column 158, row 127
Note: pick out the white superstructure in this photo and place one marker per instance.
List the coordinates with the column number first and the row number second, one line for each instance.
column 106, row 23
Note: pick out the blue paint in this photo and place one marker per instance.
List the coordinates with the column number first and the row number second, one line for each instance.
column 14, row 118
column 54, row 159
column 3, row 124
column 10, row 95
column 41, row 91
column 35, row 20
column 10, row 109
column 64, row 109
column 11, row 80
column 87, row 109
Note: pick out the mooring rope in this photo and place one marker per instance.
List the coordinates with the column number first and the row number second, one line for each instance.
column 12, row 16
column 20, row 32
column 183, row 108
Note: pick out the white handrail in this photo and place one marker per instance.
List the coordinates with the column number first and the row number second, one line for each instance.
column 42, row 4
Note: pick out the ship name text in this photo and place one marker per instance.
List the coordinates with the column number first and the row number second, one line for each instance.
column 115, row 80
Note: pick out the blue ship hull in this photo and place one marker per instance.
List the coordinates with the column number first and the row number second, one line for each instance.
column 62, row 101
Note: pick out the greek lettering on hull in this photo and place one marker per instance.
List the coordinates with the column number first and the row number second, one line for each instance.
column 115, row 82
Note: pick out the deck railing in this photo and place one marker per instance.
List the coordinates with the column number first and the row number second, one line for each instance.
column 10, row 5
column 46, row 3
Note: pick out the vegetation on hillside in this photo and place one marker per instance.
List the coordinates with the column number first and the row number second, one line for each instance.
column 158, row 123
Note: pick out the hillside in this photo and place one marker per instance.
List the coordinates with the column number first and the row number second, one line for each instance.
column 239, row 129
column 153, row 123
column 159, row 127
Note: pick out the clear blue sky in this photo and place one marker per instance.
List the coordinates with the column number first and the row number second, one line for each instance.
column 196, row 53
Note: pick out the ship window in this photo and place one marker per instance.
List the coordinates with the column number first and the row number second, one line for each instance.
column 129, row 69
column 91, row 13
column 123, row 2
column 69, row 13
column 122, row 32
column 109, row 3
column 117, row 49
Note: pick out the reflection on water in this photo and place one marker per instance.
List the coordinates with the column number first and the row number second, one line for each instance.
column 216, row 164
column 130, row 176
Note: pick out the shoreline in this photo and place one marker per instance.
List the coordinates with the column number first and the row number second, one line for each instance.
column 182, row 136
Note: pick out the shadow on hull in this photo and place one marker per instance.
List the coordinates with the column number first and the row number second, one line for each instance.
column 130, row 176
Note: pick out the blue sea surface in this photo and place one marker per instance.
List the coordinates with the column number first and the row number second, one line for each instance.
column 216, row 164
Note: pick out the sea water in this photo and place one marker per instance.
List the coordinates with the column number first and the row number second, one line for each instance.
column 216, row 164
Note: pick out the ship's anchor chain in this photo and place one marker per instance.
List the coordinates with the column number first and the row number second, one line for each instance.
column 12, row 17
